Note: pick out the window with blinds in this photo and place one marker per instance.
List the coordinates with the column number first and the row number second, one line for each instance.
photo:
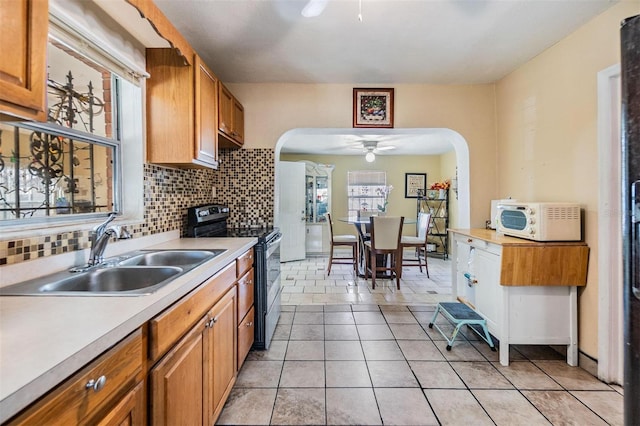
column 365, row 190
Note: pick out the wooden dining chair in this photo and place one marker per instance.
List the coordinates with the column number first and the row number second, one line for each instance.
column 386, row 232
column 342, row 240
column 419, row 243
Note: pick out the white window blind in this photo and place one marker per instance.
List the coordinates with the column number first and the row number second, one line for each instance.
column 364, row 190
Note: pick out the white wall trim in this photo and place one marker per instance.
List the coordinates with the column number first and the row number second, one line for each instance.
column 457, row 141
column 610, row 330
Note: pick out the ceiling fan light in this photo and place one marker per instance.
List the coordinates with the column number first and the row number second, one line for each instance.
column 370, row 157
column 314, row 8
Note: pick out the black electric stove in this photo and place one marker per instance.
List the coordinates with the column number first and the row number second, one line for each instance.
column 211, row 221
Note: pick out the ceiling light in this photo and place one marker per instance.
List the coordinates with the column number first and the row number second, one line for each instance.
column 370, row 157
column 314, row 8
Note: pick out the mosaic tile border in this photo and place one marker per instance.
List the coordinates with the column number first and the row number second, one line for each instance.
column 244, row 181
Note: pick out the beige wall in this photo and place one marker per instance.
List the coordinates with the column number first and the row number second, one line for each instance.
column 395, row 167
column 547, row 135
column 530, row 136
column 273, row 109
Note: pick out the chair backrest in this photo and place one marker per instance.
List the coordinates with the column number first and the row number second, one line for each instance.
column 386, row 232
column 424, row 219
column 330, row 225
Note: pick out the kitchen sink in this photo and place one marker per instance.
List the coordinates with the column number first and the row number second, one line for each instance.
column 170, row 258
column 134, row 274
column 113, row 280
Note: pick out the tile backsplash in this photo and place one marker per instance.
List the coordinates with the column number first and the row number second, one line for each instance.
column 244, row 181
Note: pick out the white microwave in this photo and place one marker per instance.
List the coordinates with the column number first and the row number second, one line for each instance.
column 540, row 221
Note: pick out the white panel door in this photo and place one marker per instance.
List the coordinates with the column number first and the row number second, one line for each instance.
column 292, row 214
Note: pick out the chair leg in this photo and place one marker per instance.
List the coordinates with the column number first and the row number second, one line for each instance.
column 330, row 259
column 372, row 261
column 354, row 251
column 426, row 264
column 419, row 261
column 398, row 265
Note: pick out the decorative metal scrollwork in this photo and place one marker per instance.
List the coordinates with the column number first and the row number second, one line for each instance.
column 46, row 151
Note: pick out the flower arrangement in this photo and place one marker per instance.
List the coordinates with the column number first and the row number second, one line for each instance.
column 384, row 193
column 440, row 185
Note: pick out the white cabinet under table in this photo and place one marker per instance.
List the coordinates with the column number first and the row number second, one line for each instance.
column 526, row 290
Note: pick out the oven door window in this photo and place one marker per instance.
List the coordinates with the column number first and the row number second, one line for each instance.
column 512, row 219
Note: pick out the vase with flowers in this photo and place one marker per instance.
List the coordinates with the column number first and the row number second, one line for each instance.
column 441, row 187
column 384, row 193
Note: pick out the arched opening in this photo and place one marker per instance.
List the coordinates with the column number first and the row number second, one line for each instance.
column 421, row 140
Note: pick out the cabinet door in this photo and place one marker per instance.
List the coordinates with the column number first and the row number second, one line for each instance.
column 237, row 115
column 246, row 334
column 176, row 382
column 206, row 125
column 246, row 290
column 129, row 411
column 488, row 292
column 170, row 108
column 225, row 116
column 23, row 36
column 220, row 354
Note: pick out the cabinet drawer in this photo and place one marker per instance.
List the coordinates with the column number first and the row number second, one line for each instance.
column 169, row 326
column 244, row 263
column 75, row 399
column 246, row 333
column 245, row 294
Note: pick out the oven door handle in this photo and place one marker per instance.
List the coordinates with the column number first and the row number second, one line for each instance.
column 273, row 244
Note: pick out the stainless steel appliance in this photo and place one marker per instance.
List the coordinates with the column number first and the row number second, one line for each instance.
column 211, row 221
column 630, row 67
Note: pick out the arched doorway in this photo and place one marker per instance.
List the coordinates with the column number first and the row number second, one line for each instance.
column 420, row 140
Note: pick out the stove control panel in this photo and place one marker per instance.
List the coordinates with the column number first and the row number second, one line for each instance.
column 208, row 213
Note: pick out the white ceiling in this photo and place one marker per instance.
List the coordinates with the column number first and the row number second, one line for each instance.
column 398, row 41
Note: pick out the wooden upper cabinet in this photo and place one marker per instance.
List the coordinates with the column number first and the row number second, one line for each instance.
column 206, row 114
column 230, row 119
column 23, row 37
column 238, row 121
column 181, row 111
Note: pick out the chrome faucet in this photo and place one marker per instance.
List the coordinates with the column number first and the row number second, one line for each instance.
column 100, row 236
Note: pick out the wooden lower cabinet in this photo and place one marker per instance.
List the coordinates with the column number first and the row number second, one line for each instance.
column 220, row 356
column 129, row 411
column 246, row 334
column 191, row 382
column 176, row 382
column 101, row 393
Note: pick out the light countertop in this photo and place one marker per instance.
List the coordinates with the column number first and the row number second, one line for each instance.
column 45, row 339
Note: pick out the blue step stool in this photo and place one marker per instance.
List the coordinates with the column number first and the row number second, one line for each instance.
column 460, row 314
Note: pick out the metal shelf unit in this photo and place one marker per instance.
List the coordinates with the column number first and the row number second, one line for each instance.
column 438, row 206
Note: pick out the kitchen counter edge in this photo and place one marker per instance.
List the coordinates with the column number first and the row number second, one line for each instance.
column 45, row 339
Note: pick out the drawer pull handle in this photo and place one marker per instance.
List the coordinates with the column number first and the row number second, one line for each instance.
column 469, row 240
column 211, row 322
column 249, row 324
column 96, row 385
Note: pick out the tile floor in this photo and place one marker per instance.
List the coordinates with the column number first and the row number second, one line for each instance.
column 345, row 354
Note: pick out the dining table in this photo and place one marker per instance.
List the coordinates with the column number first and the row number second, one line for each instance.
column 363, row 228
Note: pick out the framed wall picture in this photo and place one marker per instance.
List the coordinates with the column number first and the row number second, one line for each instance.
column 415, row 185
column 373, row 108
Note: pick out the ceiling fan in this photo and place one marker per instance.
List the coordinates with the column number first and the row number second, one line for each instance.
column 370, row 147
